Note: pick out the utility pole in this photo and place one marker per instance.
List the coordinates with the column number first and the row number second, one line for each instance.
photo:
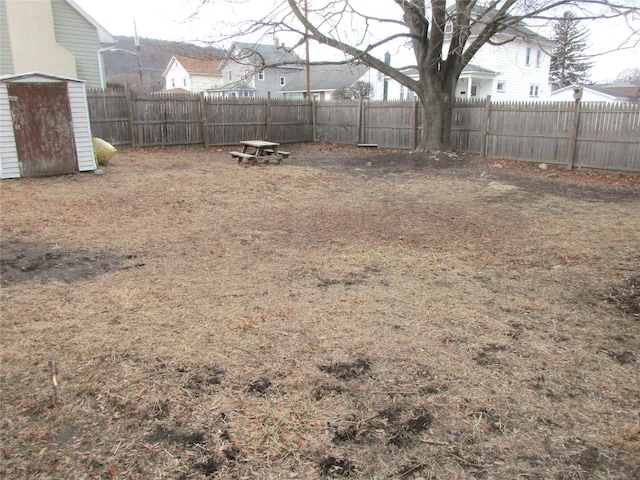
column 306, row 41
column 137, row 42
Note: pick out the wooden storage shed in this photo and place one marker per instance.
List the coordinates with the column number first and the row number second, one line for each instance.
column 44, row 126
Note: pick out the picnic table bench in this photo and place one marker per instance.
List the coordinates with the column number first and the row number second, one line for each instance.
column 253, row 149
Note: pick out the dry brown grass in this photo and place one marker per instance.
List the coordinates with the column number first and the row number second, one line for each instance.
column 345, row 314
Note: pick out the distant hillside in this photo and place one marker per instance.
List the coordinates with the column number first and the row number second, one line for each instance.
column 122, row 67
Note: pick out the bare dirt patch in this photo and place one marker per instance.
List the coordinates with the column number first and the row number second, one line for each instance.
column 346, row 314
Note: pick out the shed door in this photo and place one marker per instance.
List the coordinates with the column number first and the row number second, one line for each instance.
column 42, row 128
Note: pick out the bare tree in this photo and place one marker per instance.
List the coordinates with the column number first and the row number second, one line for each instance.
column 356, row 91
column 444, row 38
column 630, row 75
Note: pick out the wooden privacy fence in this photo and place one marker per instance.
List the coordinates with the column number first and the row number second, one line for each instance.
column 122, row 118
column 590, row 135
column 586, row 135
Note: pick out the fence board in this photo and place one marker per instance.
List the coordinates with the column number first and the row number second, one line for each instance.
column 338, row 122
column 388, row 124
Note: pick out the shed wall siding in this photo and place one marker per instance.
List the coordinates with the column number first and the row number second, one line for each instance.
column 81, row 126
column 9, row 167
column 6, row 61
column 80, row 37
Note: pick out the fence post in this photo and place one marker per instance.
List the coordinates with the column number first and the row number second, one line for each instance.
column 577, row 95
column 205, row 129
column 360, row 118
column 415, row 122
column 129, row 101
column 314, row 115
column 268, row 120
column 487, row 117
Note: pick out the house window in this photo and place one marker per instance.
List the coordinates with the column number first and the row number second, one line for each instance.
column 534, row 90
column 184, row 82
column 528, row 60
column 261, row 75
column 539, row 58
column 501, row 87
column 282, row 81
column 230, row 75
column 474, row 90
column 173, row 83
column 448, row 27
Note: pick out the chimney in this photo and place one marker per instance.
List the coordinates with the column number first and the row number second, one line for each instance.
column 276, row 42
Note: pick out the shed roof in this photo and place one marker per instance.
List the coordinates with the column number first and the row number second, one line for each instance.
column 20, row 76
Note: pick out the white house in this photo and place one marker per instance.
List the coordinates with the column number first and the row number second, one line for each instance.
column 54, row 37
column 517, row 70
column 192, row 74
column 253, row 70
column 599, row 93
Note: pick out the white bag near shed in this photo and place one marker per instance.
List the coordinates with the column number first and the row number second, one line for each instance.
column 103, row 150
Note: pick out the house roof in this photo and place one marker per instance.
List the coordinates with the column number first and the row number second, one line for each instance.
column 261, row 54
column 196, row 66
column 468, row 69
column 480, row 16
column 613, row 91
column 104, row 36
column 175, row 90
column 326, row 77
column 622, row 89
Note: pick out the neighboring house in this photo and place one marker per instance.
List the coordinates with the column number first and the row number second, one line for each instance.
column 324, row 80
column 193, row 74
column 254, row 70
column 469, row 78
column 54, row 37
column 517, row 70
column 599, row 93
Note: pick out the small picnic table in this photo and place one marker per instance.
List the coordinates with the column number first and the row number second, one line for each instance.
column 252, row 149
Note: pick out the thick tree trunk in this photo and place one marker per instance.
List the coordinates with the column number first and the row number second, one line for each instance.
column 436, row 121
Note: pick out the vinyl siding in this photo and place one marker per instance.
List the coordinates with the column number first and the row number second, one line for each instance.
column 81, row 126
column 201, row 83
column 9, row 167
column 80, row 37
column 6, row 62
column 509, row 61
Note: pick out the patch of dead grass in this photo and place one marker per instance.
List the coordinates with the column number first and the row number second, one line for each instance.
column 345, row 314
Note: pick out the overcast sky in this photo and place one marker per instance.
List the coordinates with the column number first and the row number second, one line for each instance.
column 169, row 20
